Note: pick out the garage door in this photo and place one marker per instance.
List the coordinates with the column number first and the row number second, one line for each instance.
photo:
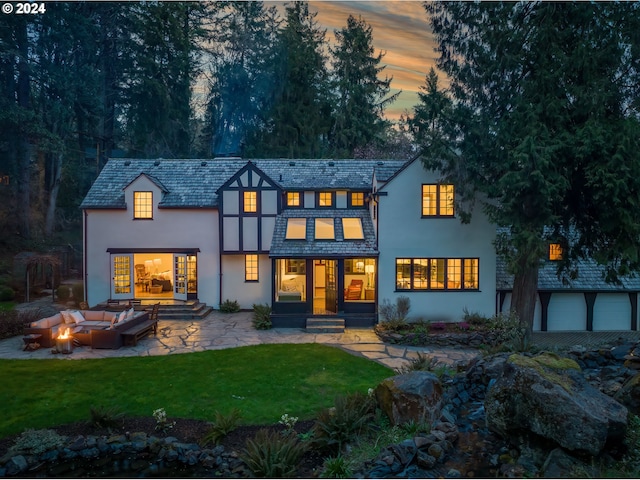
column 612, row 311
column 567, row 311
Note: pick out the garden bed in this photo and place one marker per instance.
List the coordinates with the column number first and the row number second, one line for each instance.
column 440, row 334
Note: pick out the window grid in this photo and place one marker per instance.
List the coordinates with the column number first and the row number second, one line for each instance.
column 438, row 200
column 251, row 268
column 555, row 251
column 142, row 204
column 437, row 274
column 250, row 201
column 293, row 199
column 325, row 199
column 357, row 199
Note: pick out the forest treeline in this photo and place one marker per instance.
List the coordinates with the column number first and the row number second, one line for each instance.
column 85, row 81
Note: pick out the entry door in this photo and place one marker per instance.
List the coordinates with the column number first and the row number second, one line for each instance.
column 331, row 287
column 180, row 276
column 122, row 277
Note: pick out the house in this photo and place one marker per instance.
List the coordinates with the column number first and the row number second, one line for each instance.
column 310, row 238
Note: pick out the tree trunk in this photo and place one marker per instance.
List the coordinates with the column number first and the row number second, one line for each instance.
column 56, row 175
column 523, row 298
column 23, row 147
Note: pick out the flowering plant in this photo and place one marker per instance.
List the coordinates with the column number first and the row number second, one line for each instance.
column 161, row 420
column 289, row 423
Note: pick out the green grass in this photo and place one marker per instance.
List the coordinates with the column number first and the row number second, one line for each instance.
column 7, row 306
column 263, row 382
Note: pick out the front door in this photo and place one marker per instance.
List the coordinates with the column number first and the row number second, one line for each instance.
column 180, row 276
column 331, row 287
column 121, row 276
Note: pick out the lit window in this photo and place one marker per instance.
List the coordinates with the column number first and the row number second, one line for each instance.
column 296, row 229
column 293, row 199
column 250, row 201
column 251, row 268
column 325, row 199
column 352, row 228
column 437, row 200
column 555, row 251
column 324, row 229
column 437, row 274
column 142, row 204
column 357, row 199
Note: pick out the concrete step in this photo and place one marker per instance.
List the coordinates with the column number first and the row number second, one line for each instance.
column 325, row 325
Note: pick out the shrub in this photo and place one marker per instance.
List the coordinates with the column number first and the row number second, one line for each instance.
column 344, row 422
column 271, row 455
column 13, row 322
column 510, row 334
column 6, row 293
column 105, row 417
column 261, row 316
column 78, row 292
column 36, row 442
column 222, row 426
column 474, row 318
column 63, row 293
column 229, row 306
column 394, row 317
column 422, row 363
column 336, row 467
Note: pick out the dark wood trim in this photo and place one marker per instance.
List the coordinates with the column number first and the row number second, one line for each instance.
column 545, row 298
column 633, row 298
column 590, row 299
column 192, row 250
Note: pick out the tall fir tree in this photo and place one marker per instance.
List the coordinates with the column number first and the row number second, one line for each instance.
column 543, row 124
column 361, row 95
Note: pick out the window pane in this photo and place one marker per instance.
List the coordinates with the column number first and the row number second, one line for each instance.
column 324, row 199
column 471, row 273
column 555, row 251
column 437, row 273
column 324, row 229
column 357, row 199
column 251, row 268
column 296, row 229
column 293, row 199
column 454, row 273
column 250, row 202
column 290, row 280
column 429, row 202
column 420, row 273
column 352, row 228
column 142, row 204
column 403, row 273
column 446, row 200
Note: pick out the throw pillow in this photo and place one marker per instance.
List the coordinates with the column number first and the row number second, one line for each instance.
column 122, row 316
column 77, row 317
column 130, row 313
column 66, row 317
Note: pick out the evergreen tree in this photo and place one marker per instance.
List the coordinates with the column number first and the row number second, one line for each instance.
column 361, row 95
column 543, row 122
column 299, row 122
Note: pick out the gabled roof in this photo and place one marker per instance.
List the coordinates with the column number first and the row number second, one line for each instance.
column 280, row 247
column 193, row 183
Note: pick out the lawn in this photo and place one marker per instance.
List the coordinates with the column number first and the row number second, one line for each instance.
column 263, row 381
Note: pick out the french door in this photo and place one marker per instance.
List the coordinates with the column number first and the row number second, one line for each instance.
column 122, row 276
column 331, row 287
column 180, row 276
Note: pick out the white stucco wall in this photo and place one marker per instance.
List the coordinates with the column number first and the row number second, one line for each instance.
column 170, row 228
column 246, row 293
column 402, row 233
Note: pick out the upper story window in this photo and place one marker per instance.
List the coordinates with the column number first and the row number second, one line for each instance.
column 357, row 199
column 296, row 229
column 325, row 199
column 352, row 229
column 555, row 251
column 142, row 204
column 437, row 200
column 324, row 229
column 250, row 204
column 293, row 199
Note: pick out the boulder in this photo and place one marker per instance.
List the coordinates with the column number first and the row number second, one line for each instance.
column 547, row 395
column 414, row 396
column 629, row 394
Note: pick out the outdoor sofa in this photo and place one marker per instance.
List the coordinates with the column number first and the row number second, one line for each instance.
column 97, row 328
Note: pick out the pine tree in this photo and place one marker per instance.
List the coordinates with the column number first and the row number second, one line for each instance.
column 361, row 95
column 543, row 122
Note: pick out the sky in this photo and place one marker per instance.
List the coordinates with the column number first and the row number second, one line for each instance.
column 400, row 28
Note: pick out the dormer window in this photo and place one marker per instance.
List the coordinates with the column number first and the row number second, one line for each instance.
column 357, row 199
column 555, row 251
column 250, row 201
column 293, row 199
column 325, row 199
column 143, row 205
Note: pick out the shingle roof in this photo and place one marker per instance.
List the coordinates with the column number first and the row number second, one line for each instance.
column 318, row 248
column 590, row 278
column 193, row 183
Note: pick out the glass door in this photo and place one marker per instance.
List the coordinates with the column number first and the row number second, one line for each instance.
column 121, row 277
column 180, row 276
column 331, row 287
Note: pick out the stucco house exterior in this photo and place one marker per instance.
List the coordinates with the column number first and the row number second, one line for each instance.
column 310, row 238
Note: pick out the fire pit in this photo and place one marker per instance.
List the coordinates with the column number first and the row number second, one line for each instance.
column 64, row 341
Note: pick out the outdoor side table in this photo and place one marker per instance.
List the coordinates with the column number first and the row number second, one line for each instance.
column 31, row 341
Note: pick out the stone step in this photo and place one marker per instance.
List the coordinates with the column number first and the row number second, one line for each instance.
column 194, row 311
column 325, row 325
